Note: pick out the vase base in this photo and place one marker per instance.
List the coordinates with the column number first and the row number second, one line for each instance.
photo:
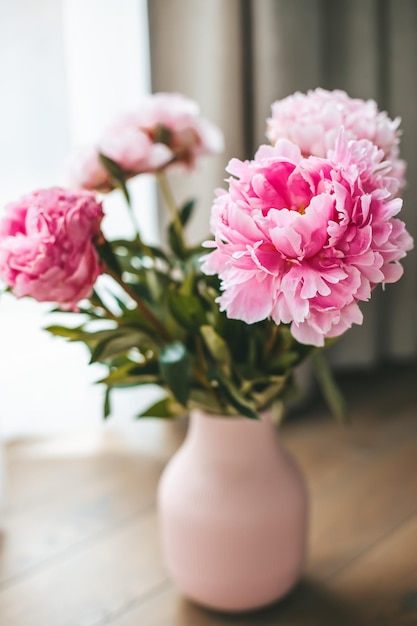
column 225, row 599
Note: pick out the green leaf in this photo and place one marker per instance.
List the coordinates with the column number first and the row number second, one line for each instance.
column 111, row 166
column 73, row 334
column 186, row 211
column 165, row 408
column 130, row 249
column 132, row 374
column 283, row 362
column 117, row 175
column 272, row 391
column 142, row 291
column 119, row 342
column 107, row 405
column 106, row 254
column 159, row 254
column 187, row 309
column 188, row 284
column 329, row 388
column 133, row 318
column 97, row 302
column 241, row 405
column 202, row 398
column 158, row 283
column 175, row 367
column 175, row 241
column 217, row 347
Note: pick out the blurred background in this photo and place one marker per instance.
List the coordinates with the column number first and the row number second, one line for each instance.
column 67, row 66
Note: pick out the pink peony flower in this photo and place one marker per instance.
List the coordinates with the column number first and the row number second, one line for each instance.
column 303, row 240
column 165, row 130
column 46, row 246
column 313, row 120
column 175, row 120
column 132, row 149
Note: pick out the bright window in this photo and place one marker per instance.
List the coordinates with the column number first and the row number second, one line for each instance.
column 66, row 69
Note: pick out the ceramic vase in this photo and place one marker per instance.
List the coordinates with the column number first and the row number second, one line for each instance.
column 233, row 511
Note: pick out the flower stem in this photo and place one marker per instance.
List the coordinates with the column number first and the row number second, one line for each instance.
column 200, row 372
column 146, row 249
column 271, row 341
column 146, row 312
column 171, row 204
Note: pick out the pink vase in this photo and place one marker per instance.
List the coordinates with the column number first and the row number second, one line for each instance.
column 233, row 514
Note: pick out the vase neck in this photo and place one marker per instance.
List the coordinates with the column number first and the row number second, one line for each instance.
column 238, row 436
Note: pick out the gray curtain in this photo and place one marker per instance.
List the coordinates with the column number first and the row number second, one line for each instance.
column 236, row 57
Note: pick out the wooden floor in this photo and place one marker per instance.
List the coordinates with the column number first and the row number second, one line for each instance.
column 80, row 548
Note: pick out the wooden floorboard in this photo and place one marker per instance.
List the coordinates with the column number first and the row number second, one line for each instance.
column 79, row 543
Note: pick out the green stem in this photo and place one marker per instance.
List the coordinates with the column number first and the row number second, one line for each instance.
column 171, row 204
column 146, row 312
column 200, row 372
column 329, row 388
column 146, row 249
column 271, row 341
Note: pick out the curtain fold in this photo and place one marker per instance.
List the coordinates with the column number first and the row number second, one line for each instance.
column 195, row 49
column 236, row 57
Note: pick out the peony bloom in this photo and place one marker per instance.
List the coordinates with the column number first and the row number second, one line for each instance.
column 85, row 171
column 303, row 240
column 132, row 149
column 313, row 120
column 46, row 246
column 165, row 130
column 175, row 120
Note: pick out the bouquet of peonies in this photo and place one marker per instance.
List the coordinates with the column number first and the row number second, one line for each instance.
column 304, row 232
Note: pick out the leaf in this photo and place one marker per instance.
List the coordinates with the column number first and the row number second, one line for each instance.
column 132, row 374
column 175, row 241
column 159, row 253
column 217, row 347
column 111, row 166
column 117, row 175
column 129, row 248
column 119, row 342
column 106, row 254
column 142, row 291
column 186, row 211
column 283, row 362
column 236, row 399
column 97, row 302
column 133, row 318
column 207, row 401
column 187, row 309
column 73, row 334
column 196, row 252
column 272, row 392
column 329, row 388
column 107, row 405
column 175, row 367
column 158, row 283
column 189, row 280
column 165, row 408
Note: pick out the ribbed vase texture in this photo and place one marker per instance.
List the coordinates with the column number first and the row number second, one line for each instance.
column 232, row 509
